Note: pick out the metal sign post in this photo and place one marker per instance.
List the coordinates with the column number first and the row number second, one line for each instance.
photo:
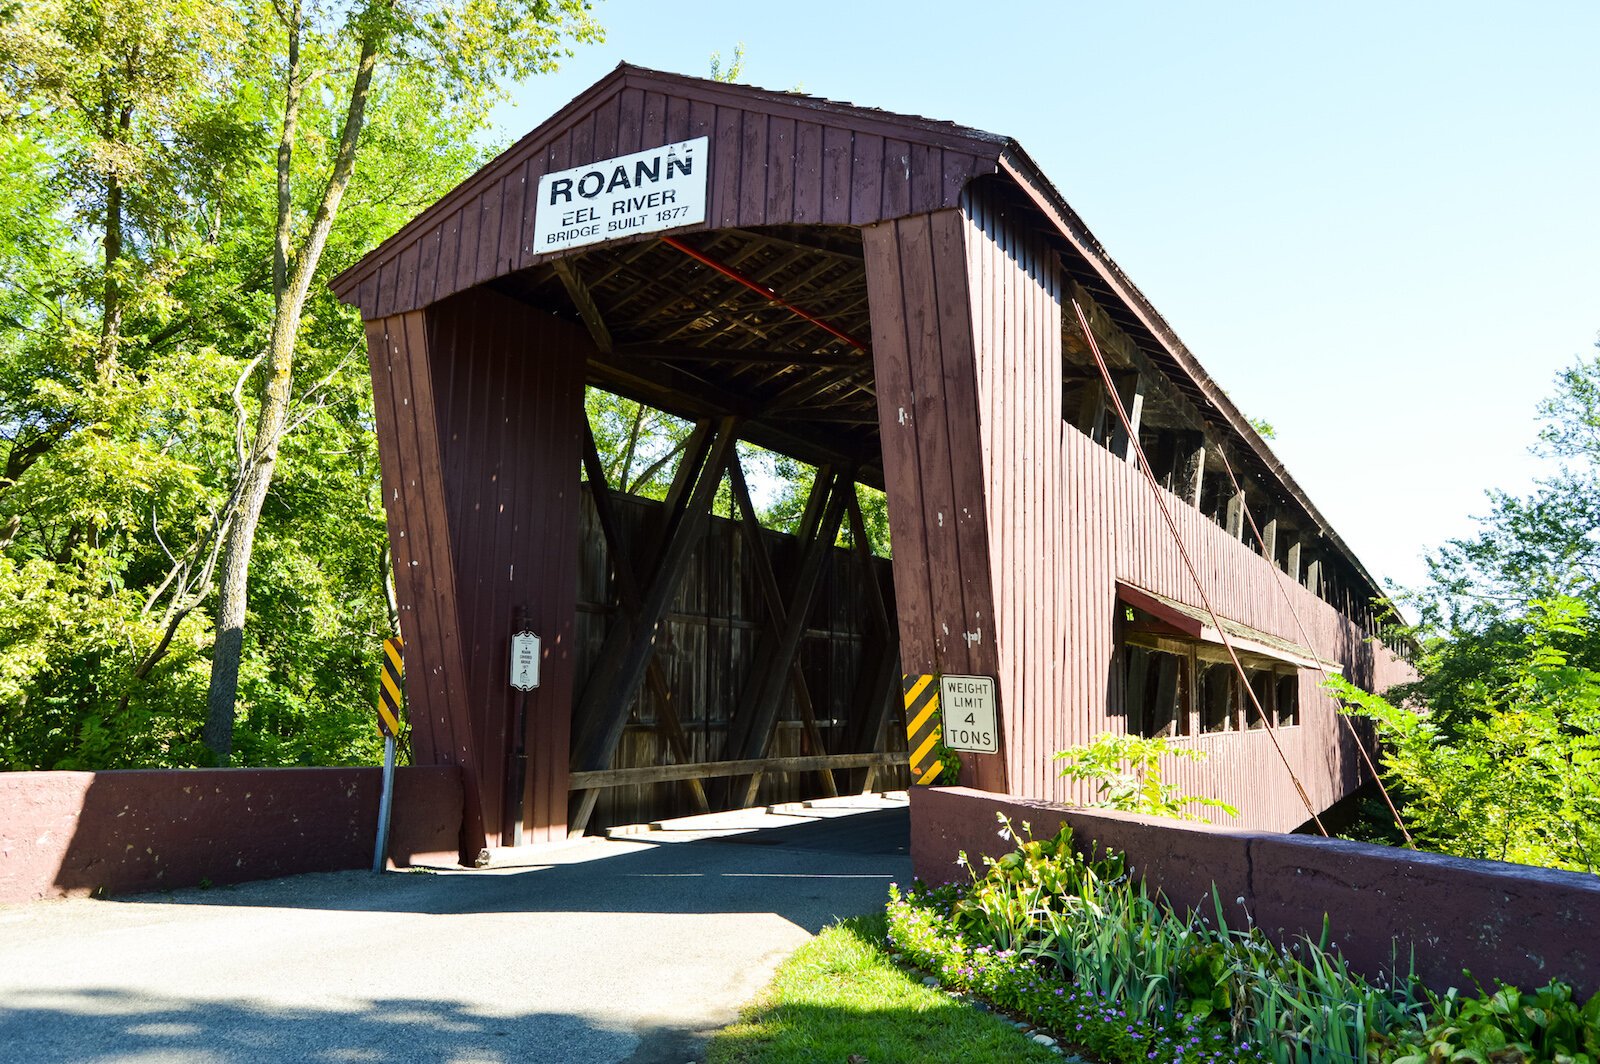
column 390, row 701
column 525, row 657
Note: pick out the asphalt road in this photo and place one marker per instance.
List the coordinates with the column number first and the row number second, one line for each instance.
column 606, row 950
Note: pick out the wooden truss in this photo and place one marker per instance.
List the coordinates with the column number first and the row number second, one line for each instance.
column 626, row 662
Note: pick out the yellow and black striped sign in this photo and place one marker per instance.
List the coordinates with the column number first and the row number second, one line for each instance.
column 922, row 725
column 390, row 700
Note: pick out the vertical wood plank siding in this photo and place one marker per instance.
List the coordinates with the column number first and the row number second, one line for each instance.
column 1011, row 529
column 1134, row 545
column 707, row 649
column 1015, row 289
column 478, row 400
column 510, row 404
column 1067, row 519
column 413, row 495
column 922, row 355
column 775, row 159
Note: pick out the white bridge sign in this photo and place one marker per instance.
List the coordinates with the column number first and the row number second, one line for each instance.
column 967, row 704
column 524, row 661
column 661, row 188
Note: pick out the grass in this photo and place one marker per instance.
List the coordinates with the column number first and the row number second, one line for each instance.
column 839, row 1000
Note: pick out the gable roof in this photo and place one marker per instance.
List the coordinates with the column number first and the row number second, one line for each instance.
column 821, row 162
column 778, row 158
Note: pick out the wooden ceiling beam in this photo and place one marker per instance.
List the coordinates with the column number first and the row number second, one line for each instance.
column 679, row 264
column 795, row 240
column 668, row 388
column 807, row 390
column 687, row 353
column 583, row 300
column 734, row 288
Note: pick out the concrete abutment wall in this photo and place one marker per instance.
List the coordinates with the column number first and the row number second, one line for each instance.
column 96, row 833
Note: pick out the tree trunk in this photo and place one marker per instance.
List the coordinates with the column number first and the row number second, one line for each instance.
column 111, row 307
column 291, row 119
column 257, row 465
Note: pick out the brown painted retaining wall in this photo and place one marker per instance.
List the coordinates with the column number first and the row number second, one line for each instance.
column 66, row 833
column 1502, row 921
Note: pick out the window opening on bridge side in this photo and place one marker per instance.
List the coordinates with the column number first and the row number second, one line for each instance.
column 1174, row 685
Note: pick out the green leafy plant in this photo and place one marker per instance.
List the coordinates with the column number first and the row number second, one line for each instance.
column 1076, row 943
column 1127, row 774
column 949, row 764
column 1506, row 1026
column 1514, row 774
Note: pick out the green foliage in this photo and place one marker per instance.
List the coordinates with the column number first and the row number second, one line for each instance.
column 1541, row 546
column 734, row 68
column 639, row 445
column 1494, row 751
column 1482, row 598
column 137, row 211
column 1127, row 774
column 949, row 765
column 1076, row 945
column 1507, row 1026
column 1513, row 774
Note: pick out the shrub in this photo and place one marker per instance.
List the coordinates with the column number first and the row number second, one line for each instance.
column 1077, row 944
column 1126, row 771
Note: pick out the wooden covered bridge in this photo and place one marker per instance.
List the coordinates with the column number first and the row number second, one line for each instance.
column 896, row 302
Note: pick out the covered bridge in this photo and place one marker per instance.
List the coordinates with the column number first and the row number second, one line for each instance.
column 895, row 301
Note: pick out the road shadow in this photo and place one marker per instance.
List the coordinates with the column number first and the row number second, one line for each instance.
column 808, row 873
column 79, row 1026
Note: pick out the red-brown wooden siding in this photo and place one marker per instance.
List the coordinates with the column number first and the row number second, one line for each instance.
column 922, row 354
column 1115, row 531
column 775, row 159
column 494, row 391
column 510, row 406
column 408, row 444
column 1015, row 286
column 1067, row 519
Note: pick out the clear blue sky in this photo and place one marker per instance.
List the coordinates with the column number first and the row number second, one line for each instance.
column 1376, row 224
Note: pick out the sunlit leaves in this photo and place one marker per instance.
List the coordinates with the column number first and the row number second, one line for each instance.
column 112, row 478
column 1514, row 773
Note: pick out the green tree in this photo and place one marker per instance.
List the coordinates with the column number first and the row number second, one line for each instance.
column 121, row 467
column 1515, row 775
column 120, row 144
column 1478, row 607
column 1493, row 748
column 447, row 55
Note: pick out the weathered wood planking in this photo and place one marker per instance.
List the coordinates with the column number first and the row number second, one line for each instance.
column 1015, row 287
column 777, row 158
column 477, row 403
column 707, row 650
column 419, row 531
column 1067, row 519
column 509, row 410
column 922, row 350
column 1114, row 531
